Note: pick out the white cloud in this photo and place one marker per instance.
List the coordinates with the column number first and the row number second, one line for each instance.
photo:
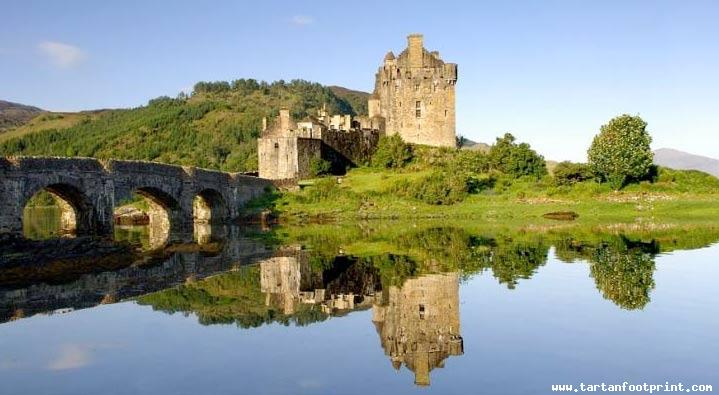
column 62, row 55
column 71, row 356
column 302, row 20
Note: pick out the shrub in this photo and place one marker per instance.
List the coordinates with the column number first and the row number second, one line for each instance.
column 392, row 152
column 323, row 189
column 620, row 153
column 514, row 159
column 568, row 173
column 319, row 166
column 440, row 187
column 472, row 161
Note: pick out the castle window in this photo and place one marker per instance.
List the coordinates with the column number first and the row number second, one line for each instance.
column 418, row 109
column 416, row 86
column 277, row 145
column 421, row 312
column 445, row 113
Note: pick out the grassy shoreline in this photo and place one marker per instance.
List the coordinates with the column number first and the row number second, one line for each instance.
column 367, row 194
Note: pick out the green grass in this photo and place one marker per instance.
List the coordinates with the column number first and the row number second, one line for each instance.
column 364, row 193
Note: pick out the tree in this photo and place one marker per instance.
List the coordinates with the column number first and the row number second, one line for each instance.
column 620, row 153
column 516, row 159
column 392, row 152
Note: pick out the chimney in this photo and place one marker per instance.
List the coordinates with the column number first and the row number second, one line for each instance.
column 284, row 120
column 416, row 49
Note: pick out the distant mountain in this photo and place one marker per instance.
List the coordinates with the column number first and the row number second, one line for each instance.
column 685, row 161
column 357, row 99
column 473, row 145
column 14, row 114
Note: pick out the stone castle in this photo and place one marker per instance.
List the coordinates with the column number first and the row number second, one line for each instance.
column 414, row 97
column 418, row 323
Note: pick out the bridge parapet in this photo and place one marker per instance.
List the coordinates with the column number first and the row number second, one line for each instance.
column 53, row 164
column 142, row 167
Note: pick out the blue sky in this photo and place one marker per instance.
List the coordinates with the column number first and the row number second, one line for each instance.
column 551, row 72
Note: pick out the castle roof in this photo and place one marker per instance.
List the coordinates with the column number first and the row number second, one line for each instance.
column 389, row 56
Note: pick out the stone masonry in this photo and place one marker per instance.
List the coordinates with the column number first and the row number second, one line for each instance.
column 92, row 188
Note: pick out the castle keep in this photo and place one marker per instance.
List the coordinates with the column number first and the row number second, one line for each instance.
column 413, row 97
column 414, row 93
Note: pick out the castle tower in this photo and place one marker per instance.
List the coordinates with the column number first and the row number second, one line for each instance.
column 415, row 94
column 418, row 323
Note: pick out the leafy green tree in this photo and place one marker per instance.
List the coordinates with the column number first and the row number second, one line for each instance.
column 620, row 153
column 392, row 152
column 514, row 159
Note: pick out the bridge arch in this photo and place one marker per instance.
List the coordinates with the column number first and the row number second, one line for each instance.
column 77, row 212
column 165, row 214
column 209, row 206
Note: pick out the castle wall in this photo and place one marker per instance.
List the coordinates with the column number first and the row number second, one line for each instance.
column 285, row 158
column 307, row 150
column 348, row 148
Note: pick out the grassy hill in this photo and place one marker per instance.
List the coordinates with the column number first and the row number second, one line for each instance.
column 14, row 114
column 50, row 121
column 215, row 127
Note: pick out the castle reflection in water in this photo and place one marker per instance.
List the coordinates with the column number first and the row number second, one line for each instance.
column 417, row 322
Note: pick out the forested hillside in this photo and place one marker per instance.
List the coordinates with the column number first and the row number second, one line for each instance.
column 214, row 127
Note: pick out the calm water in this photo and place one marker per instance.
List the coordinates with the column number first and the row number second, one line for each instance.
column 371, row 308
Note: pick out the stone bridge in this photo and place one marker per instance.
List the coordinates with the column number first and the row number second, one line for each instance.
column 91, row 289
column 89, row 190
